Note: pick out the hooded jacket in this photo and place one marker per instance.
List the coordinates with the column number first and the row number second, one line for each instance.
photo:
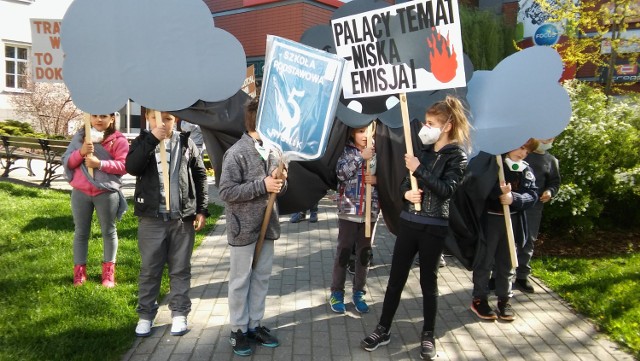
column 245, row 195
column 141, row 163
column 112, row 156
column 350, row 170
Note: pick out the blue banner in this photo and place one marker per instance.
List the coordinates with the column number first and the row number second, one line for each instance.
column 299, row 95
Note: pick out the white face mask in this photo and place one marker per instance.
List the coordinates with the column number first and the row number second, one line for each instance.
column 264, row 153
column 514, row 166
column 96, row 136
column 542, row 147
column 429, row 135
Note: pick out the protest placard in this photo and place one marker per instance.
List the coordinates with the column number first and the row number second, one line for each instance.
column 299, row 96
column 249, row 85
column 412, row 46
column 46, row 64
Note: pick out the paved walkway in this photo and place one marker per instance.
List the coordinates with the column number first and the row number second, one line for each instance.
column 298, row 314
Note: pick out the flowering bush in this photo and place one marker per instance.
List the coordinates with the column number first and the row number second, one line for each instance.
column 599, row 163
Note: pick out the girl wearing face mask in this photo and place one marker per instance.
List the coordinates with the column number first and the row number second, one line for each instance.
column 438, row 169
column 519, row 193
column 105, row 154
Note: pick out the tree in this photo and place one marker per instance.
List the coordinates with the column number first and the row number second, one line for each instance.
column 486, row 39
column 590, row 24
column 48, row 106
column 599, row 162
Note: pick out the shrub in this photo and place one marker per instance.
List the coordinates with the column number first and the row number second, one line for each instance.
column 23, row 129
column 15, row 127
column 599, row 163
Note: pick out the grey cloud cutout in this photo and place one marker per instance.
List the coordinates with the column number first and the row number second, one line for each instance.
column 163, row 54
column 519, row 99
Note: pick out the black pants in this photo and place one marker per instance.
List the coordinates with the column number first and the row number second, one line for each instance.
column 428, row 242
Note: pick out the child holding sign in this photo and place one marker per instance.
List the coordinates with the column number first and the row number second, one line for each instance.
column 519, row 193
column 100, row 192
column 166, row 232
column 438, row 169
column 352, row 177
column 249, row 174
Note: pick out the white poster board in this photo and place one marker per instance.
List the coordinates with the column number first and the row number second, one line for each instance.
column 412, row 46
column 46, row 53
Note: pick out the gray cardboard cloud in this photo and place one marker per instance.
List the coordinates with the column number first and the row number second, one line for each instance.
column 163, row 54
column 519, row 99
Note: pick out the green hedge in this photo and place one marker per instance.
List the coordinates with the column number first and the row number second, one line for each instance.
column 599, row 163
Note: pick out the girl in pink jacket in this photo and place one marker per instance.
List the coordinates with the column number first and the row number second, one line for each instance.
column 105, row 153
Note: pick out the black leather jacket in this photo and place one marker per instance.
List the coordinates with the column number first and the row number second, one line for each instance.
column 438, row 175
column 141, row 162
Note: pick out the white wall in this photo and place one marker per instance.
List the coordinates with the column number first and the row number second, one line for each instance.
column 15, row 29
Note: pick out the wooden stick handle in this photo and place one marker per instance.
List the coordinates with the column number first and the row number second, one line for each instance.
column 163, row 164
column 404, row 107
column 507, row 218
column 87, row 136
column 265, row 220
column 367, row 189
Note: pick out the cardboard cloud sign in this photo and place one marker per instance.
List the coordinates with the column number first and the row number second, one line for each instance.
column 163, row 54
column 519, row 99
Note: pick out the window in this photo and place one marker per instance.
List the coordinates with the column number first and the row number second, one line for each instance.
column 15, row 58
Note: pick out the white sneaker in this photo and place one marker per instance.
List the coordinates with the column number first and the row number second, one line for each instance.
column 179, row 326
column 143, row 329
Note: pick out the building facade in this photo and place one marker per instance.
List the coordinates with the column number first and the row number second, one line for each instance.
column 528, row 16
column 15, row 41
column 250, row 21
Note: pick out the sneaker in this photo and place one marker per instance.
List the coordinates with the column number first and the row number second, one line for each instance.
column 108, row 274
column 379, row 337
column 443, row 263
column 525, row 285
column 313, row 217
column 262, row 336
column 505, row 312
column 79, row 274
column 351, row 267
column 337, row 302
column 480, row 306
column 179, row 326
column 358, row 301
column 427, row 346
column 143, row 329
column 297, row 217
column 492, row 284
column 240, row 343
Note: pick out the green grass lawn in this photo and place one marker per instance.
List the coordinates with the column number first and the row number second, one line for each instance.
column 605, row 289
column 42, row 316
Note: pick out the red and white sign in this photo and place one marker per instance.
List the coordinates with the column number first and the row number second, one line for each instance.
column 47, row 55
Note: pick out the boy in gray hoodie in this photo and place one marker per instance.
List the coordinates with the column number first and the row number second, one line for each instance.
column 248, row 176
